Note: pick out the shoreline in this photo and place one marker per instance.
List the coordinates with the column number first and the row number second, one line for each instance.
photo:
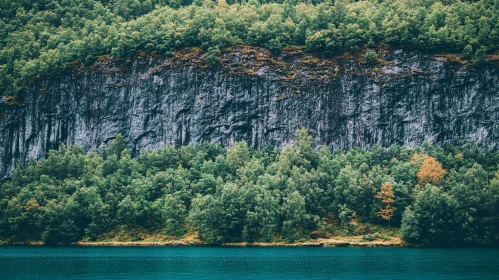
column 191, row 243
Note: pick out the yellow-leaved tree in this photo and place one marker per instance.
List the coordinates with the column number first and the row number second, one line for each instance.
column 386, row 196
column 431, row 172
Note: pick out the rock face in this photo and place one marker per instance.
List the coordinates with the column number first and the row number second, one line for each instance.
column 405, row 98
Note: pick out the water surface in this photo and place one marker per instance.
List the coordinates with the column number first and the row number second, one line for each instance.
column 246, row 263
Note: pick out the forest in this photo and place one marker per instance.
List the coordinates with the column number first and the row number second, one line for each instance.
column 438, row 195
column 39, row 37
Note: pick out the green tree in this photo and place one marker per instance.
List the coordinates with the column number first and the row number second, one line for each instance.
column 207, row 216
column 127, row 211
column 296, row 221
column 237, row 155
column 212, row 56
column 262, row 221
column 430, row 221
column 173, row 214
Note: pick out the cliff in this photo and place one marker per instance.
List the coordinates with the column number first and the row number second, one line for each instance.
column 405, row 98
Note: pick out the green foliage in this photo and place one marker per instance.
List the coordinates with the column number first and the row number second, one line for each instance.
column 371, row 237
column 296, row 220
column 241, row 194
column 371, row 57
column 212, row 56
column 173, row 214
column 40, row 37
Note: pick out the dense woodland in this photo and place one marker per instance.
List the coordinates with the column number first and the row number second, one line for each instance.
column 39, row 37
column 436, row 195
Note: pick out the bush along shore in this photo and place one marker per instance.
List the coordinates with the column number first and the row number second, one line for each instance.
column 299, row 195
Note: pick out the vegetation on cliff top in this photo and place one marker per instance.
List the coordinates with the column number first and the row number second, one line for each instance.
column 39, row 37
column 434, row 195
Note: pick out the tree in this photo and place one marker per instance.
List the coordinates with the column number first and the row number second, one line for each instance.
column 386, row 196
column 238, row 155
column 431, row 172
column 207, row 184
column 173, row 214
column 371, row 57
column 305, row 146
column 116, row 147
column 262, row 220
column 212, row 56
column 347, row 188
column 127, row 211
column 296, row 220
column 410, row 226
column 207, row 216
column 431, row 219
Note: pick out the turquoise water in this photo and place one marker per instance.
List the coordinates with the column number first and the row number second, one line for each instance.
column 246, row 263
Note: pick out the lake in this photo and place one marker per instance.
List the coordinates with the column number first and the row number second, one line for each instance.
column 19, row 262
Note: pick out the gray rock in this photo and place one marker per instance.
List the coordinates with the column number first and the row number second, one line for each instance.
column 252, row 96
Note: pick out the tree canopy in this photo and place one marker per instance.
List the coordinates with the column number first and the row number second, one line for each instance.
column 243, row 194
column 40, row 37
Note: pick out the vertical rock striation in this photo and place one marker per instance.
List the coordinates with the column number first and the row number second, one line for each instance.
column 406, row 98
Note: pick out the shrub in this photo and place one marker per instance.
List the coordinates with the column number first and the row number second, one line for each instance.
column 371, row 57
